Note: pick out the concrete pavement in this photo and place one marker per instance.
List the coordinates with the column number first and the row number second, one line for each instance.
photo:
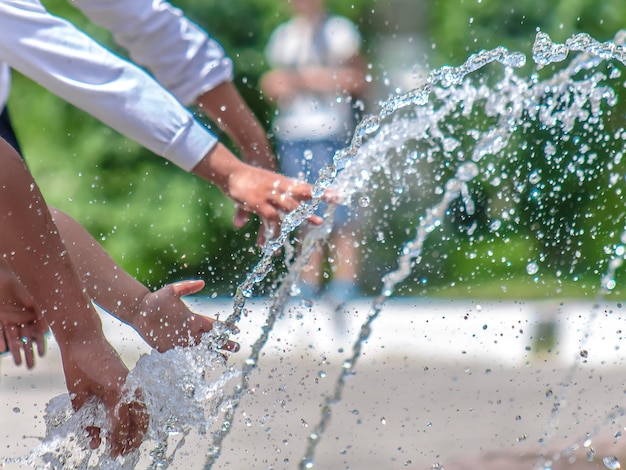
column 465, row 384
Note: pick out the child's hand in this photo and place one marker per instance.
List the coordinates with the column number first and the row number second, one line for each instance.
column 21, row 323
column 94, row 370
column 20, row 333
column 165, row 321
column 267, row 194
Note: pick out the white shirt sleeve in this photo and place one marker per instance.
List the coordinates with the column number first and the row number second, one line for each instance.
column 52, row 52
column 343, row 39
column 159, row 37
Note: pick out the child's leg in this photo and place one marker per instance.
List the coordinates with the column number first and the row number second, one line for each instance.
column 31, row 246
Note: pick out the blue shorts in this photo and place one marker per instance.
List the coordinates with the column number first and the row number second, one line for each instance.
column 303, row 159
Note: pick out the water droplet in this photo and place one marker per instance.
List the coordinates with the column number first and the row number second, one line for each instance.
column 591, row 453
column 532, row 268
column 364, row 201
column 534, row 177
column 611, row 462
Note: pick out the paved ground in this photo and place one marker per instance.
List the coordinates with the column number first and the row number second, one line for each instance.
column 462, row 384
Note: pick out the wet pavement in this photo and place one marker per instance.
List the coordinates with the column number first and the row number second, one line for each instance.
column 463, row 385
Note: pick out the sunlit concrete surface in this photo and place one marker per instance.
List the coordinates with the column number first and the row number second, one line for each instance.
column 466, row 384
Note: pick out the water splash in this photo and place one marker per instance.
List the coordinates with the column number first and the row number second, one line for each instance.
column 515, row 102
column 184, row 391
column 343, row 159
column 559, row 102
column 588, row 94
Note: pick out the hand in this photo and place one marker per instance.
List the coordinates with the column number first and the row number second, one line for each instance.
column 93, row 370
column 21, row 323
column 165, row 321
column 267, row 194
column 19, row 337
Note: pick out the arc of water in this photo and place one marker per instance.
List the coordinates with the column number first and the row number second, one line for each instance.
column 546, row 52
column 490, row 144
column 411, row 255
column 447, row 76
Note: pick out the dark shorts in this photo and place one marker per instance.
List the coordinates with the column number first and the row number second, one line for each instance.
column 6, row 130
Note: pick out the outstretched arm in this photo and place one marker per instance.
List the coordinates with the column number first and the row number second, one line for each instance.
column 31, row 246
column 161, row 317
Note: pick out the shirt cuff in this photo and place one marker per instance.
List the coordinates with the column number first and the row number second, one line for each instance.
column 190, row 146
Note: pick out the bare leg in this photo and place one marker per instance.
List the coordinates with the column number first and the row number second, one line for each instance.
column 31, row 246
column 346, row 255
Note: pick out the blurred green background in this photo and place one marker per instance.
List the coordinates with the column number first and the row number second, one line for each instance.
column 162, row 224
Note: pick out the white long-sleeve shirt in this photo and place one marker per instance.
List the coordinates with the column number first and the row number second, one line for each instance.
column 55, row 54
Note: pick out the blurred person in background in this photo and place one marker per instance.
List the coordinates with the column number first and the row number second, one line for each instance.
column 316, row 76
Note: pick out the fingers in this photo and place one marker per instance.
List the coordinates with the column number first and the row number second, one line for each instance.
column 21, row 341
column 241, row 218
column 14, row 343
column 187, row 287
column 29, row 353
column 287, row 196
column 18, row 317
column 93, row 434
column 231, row 346
column 206, row 324
column 40, row 341
column 4, row 346
column 129, row 424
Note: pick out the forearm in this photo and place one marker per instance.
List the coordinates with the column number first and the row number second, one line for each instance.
column 284, row 84
column 219, row 167
column 347, row 80
column 107, row 284
column 225, row 106
column 31, row 245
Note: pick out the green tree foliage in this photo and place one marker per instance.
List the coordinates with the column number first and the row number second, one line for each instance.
column 162, row 224
column 571, row 221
